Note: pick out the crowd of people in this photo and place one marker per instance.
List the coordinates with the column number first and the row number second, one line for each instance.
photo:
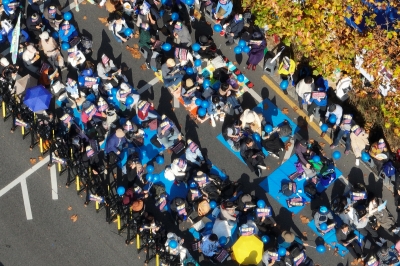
column 96, row 119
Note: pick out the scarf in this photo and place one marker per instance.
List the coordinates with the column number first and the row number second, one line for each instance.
column 193, row 147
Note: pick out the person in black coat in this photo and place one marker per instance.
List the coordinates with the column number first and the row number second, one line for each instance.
column 348, row 239
column 234, row 28
column 34, row 25
column 252, row 155
column 180, row 209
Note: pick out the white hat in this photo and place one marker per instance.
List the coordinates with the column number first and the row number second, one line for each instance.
column 171, row 62
column 4, row 62
column 44, row 35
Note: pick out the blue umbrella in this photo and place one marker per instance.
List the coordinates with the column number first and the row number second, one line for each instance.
column 37, row 98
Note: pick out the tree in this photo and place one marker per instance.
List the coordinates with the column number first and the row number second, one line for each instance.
column 317, row 30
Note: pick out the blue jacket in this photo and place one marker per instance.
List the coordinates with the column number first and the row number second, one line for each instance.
column 228, row 8
column 112, row 144
column 72, row 32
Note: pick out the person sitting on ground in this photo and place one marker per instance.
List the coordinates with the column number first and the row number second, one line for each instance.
column 253, row 156
column 170, row 73
column 118, row 27
column 181, row 35
column 189, row 92
column 209, row 246
column 272, row 143
column 145, row 42
column 234, row 135
column 252, row 120
column 145, row 112
column 180, row 208
column 194, row 194
column 115, row 144
column 348, row 238
column 67, row 32
column 343, row 87
column 286, row 68
column 378, row 152
column 53, row 16
column 388, row 256
column 76, row 58
column 180, row 169
column 214, row 109
column 287, row 240
column 51, row 49
column 234, row 28
column 304, row 89
column 336, row 111
column 90, row 113
column 207, row 185
column 303, row 152
column 245, row 205
column 323, row 216
column 228, row 211
column 208, row 48
column 183, row 57
column 193, row 154
column 359, row 142
column 133, row 133
column 106, row 70
column 173, row 246
column 345, row 128
column 167, row 132
column 384, row 218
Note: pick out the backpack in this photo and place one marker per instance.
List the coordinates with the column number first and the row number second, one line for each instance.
column 288, row 188
column 310, row 189
column 285, row 130
column 388, row 170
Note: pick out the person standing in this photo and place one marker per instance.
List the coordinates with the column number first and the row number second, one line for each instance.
column 234, row 28
column 345, row 128
column 335, row 111
column 304, row 89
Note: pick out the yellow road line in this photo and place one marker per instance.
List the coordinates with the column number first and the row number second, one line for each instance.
column 300, row 112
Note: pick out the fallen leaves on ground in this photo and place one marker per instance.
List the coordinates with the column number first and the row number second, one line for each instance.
column 285, row 111
column 74, row 218
column 305, row 234
column 134, row 51
column 32, row 160
column 84, row 17
column 103, row 20
column 69, row 208
column 304, row 219
column 143, row 67
column 295, row 108
column 322, row 144
column 40, row 158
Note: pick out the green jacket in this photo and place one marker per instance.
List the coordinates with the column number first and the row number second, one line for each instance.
column 144, row 38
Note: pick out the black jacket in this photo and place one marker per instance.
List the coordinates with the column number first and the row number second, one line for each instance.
column 236, row 27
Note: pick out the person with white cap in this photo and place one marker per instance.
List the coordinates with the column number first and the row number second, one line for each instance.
column 180, row 169
column 304, row 89
column 31, row 59
column 170, row 73
column 251, row 120
column 115, row 144
column 51, row 49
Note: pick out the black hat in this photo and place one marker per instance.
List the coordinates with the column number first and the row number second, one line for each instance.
column 332, row 107
column 303, row 142
column 203, row 40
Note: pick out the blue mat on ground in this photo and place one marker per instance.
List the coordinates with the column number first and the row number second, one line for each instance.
column 272, row 184
column 342, row 250
column 326, row 236
column 148, row 151
column 221, row 138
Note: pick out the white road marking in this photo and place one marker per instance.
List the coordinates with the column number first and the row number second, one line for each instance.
column 255, row 95
column 176, row 102
column 289, row 151
column 53, row 178
column 27, row 202
column 23, row 176
column 148, row 85
column 70, row 6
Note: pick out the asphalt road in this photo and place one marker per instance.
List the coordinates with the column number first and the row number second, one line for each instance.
column 51, row 238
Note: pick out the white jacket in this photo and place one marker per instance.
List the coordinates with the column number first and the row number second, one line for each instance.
column 304, row 90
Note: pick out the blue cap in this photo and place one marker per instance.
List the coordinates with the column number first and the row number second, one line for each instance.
column 323, row 210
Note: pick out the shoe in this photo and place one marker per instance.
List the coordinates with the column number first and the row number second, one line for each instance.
column 254, row 67
column 213, row 121
column 285, row 92
column 263, row 167
column 228, row 43
column 320, row 123
column 148, row 65
column 379, row 243
column 382, row 240
column 333, row 146
column 323, row 134
column 346, row 152
column 274, row 155
column 311, row 118
column 357, row 162
column 249, row 66
column 77, row 8
column 222, row 33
